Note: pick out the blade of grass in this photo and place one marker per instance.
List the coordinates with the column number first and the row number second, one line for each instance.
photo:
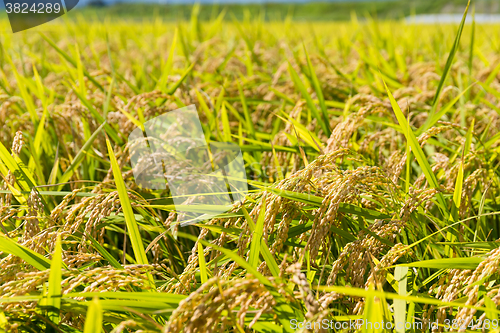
column 23, row 178
column 80, row 155
column 230, row 254
column 132, row 119
column 492, row 76
column 37, row 146
column 255, row 250
column 310, row 104
column 269, row 259
column 248, row 118
column 266, row 254
column 167, row 70
column 201, row 261
column 448, row 64
column 105, row 254
column 317, row 201
column 471, row 46
column 206, row 110
column 54, row 293
column 172, row 90
column 69, row 59
column 400, row 275
column 360, row 292
column 490, row 306
column 457, row 192
column 3, row 321
column 93, row 318
column 285, row 311
column 105, row 108
column 168, row 298
column 132, row 227
column 432, row 120
column 417, row 151
column 33, row 258
column 449, row 263
column 21, row 84
column 109, row 130
column 79, row 69
column 280, row 175
column 319, row 93
column 310, row 138
column 226, row 127
column 17, row 194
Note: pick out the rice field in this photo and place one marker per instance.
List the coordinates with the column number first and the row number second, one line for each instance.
column 372, row 155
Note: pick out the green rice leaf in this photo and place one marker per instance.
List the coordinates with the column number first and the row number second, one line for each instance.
column 361, row 292
column 474, row 245
column 449, row 62
column 203, row 266
column 176, row 85
column 105, row 254
column 491, row 307
column 284, row 310
column 168, row 298
column 255, row 245
column 33, row 258
column 93, row 319
column 109, row 130
column 417, row 150
column 269, row 258
column 448, row 263
column 21, row 84
column 319, row 93
column 400, row 277
column 132, row 228
column 23, row 177
column 248, row 118
column 53, row 300
column 233, row 256
column 3, row 321
column 80, row 155
column 167, row 69
column 310, row 104
column 69, row 59
column 317, row 201
column 432, row 120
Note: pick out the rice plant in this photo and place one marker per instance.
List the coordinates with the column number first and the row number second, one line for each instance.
column 372, row 155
